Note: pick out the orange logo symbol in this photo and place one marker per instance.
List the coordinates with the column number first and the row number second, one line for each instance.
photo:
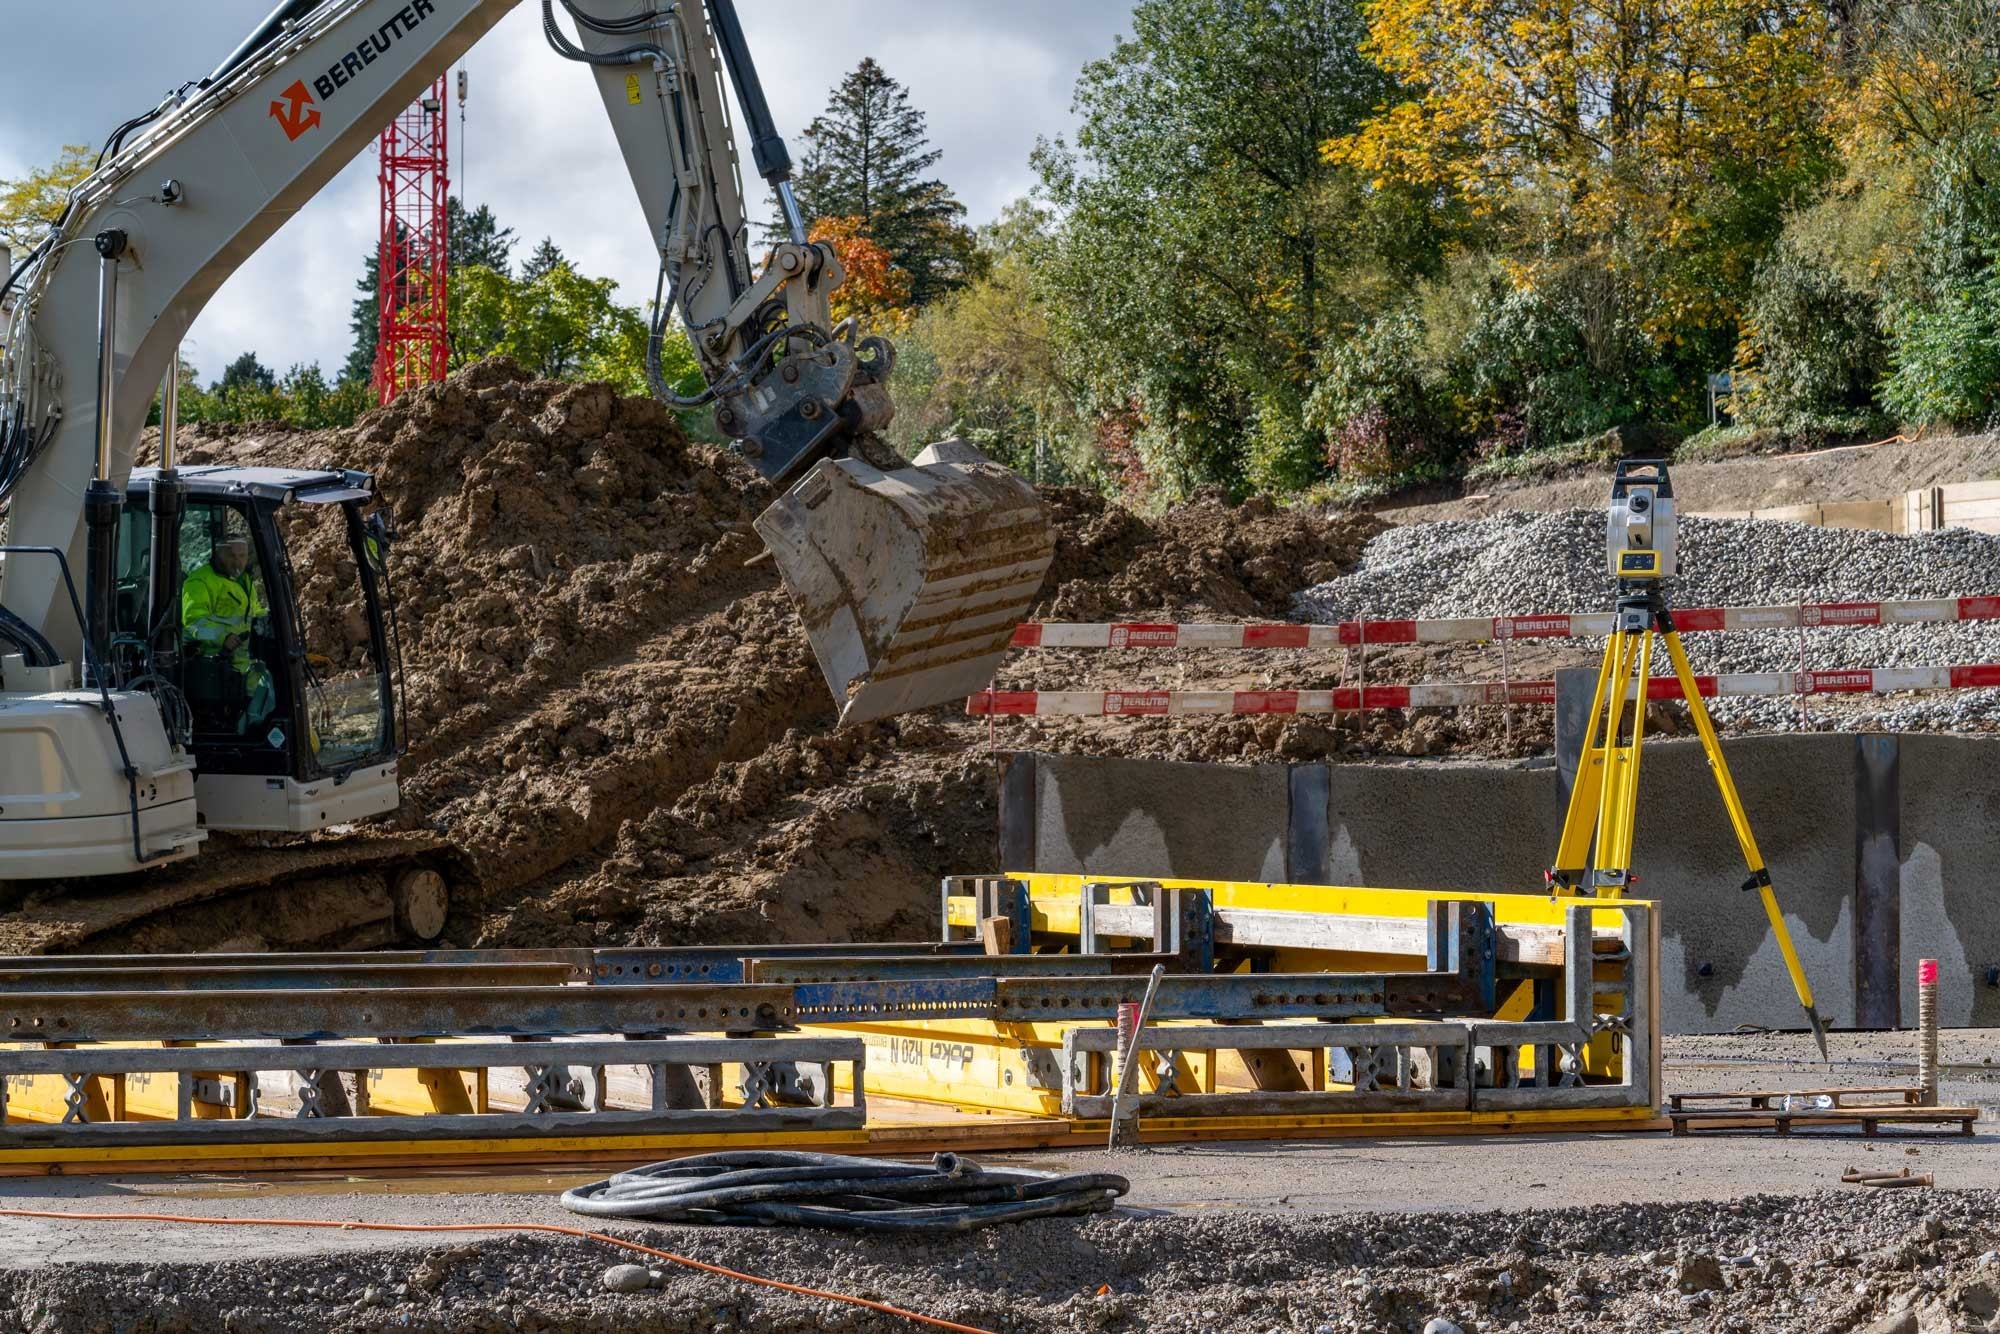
column 296, row 113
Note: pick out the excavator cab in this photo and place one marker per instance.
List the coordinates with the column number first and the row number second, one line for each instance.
column 282, row 676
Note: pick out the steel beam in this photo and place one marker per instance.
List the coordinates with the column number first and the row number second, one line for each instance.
column 108, row 1016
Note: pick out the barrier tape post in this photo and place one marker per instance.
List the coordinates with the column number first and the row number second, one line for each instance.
column 1803, row 678
column 1361, row 683
column 1506, row 696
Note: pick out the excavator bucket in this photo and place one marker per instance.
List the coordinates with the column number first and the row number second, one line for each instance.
column 910, row 582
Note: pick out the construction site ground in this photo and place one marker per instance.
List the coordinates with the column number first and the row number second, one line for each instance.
column 616, row 735
column 1532, row 1232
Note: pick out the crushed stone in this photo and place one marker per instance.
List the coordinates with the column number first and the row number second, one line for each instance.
column 1529, row 562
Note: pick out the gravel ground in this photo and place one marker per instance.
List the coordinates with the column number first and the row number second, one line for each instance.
column 1525, row 562
column 1825, row 1262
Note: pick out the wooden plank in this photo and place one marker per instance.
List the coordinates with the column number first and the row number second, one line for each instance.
column 1909, row 1094
column 1788, row 514
column 1879, row 515
column 996, row 935
column 1869, row 1120
column 1958, row 491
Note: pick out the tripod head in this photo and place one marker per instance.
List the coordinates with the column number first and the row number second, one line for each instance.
column 1639, row 538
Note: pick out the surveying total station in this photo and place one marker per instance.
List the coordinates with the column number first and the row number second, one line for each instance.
column 1595, row 855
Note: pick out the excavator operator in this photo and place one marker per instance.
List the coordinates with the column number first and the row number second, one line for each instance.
column 218, row 603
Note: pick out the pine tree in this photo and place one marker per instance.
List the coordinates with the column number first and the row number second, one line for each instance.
column 866, row 157
column 547, row 258
column 474, row 237
column 246, row 372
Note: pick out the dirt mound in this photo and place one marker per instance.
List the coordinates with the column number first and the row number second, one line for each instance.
column 615, row 721
column 1204, row 558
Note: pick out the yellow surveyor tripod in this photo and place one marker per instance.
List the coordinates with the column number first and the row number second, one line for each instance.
column 1604, row 802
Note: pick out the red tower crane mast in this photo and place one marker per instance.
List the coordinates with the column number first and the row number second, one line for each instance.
column 412, row 339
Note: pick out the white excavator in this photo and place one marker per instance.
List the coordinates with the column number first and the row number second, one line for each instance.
column 133, row 721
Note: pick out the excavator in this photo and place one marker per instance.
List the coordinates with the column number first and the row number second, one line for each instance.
column 138, row 713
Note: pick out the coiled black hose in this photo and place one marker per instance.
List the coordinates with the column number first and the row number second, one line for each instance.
column 764, row 1188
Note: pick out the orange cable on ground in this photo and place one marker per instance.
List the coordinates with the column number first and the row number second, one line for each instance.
column 933, row 1321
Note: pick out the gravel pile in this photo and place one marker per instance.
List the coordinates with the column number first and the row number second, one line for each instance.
column 1836, row 1262
column 1519, row 562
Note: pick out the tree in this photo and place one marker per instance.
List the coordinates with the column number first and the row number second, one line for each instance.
column 472, row 239
column 981, row 364
column 561, row 325
column 546, row 258
column 31, row 204
column 1633, row 163
column 244, row 374
column 875, row 290
column 866, row 158
column 1203, row 248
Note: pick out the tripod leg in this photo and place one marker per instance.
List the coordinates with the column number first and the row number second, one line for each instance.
column 1760, row 875
column 1621, row 805
column 1614, row 803
column 1580, row 819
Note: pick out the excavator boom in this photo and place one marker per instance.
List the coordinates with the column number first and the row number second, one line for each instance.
column 908, row 578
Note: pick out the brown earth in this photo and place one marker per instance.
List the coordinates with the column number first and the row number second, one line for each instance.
column 616, row 732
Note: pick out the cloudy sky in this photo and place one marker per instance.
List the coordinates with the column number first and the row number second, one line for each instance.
column 991, row 76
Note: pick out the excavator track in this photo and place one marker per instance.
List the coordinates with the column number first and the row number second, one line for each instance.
column 361, row 891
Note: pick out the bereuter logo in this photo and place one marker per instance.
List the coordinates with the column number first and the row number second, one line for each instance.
column 365, row 52
column 296, row 113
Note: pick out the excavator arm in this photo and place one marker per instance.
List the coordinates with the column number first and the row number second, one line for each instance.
column 908, row 579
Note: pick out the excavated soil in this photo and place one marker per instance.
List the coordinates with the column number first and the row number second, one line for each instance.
column 615, row 726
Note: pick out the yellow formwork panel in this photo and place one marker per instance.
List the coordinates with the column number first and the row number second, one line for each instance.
column 1056, row 900
column 44, row 1099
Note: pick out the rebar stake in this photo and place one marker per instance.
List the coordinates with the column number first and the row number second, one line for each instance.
column 1927, row 1063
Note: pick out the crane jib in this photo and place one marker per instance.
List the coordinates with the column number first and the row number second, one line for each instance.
column 375, row 44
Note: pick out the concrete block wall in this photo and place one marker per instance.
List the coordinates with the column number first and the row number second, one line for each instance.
column 1882, row 849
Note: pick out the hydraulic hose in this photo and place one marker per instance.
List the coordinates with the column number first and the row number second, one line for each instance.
column 560, row 43
column 757, row 1188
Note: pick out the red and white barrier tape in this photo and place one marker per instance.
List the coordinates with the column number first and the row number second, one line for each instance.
column 1349, row 699
column 1475, row 629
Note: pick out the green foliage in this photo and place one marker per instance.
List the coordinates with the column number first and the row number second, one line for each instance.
column 247, row 375
column 546, row 257
column 1204, row 249
column 981, row 364
column 1590, row 453
column 559, row 324
column 867, row 157
column 30, row 204
column 1384, row 407
column 248, row 392
column 1812, row 349
column 1946, row 355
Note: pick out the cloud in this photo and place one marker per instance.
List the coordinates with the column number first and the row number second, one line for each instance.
column 991, row 78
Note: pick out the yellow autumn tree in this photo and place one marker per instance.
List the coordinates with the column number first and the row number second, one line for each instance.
column 29, row 204
column 1655, row 140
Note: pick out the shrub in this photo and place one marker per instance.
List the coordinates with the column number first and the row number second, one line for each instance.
column 1946, row 356
column 1811, row 350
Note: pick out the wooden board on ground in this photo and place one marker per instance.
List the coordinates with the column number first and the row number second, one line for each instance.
column 1761, row 1099
column 1868, row 1120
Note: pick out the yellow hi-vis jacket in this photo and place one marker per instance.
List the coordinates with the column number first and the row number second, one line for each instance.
column 215, row 606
